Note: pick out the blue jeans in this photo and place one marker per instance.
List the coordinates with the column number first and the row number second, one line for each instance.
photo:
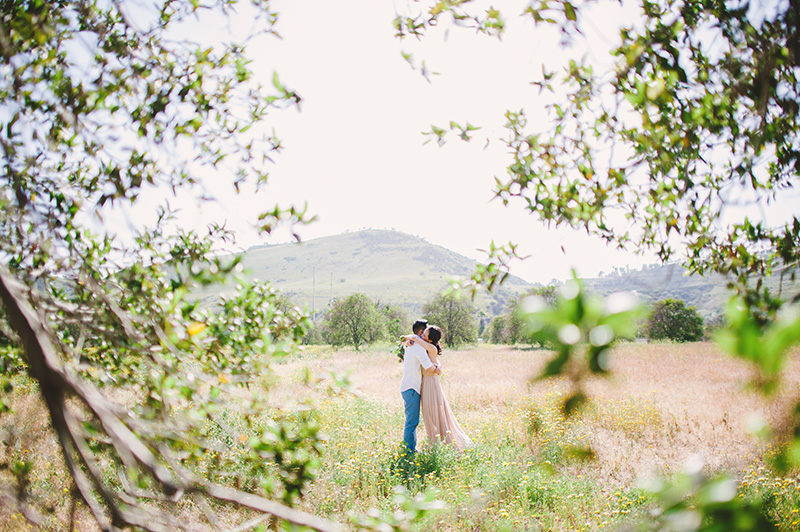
column 411, row 400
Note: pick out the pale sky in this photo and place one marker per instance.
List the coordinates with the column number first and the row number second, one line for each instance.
column 355, row 151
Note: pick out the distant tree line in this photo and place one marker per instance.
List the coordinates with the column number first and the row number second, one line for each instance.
column 358, row 321
column 668, row 319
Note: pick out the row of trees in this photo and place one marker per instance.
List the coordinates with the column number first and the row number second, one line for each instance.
column 668, row 319
column 357, row 321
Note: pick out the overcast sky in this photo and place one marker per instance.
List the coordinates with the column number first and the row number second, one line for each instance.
column 355, row 151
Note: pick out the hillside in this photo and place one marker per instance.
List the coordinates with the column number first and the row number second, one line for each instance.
column 388, row 266
column 406, row 271
column 708, row 294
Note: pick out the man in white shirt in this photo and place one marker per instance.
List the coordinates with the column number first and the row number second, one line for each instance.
column 414, row 359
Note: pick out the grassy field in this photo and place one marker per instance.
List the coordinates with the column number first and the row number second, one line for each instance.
column 664, row 404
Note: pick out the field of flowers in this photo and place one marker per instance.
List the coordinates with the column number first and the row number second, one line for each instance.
column 530, row 468
column 665, row 406
column 522, row 474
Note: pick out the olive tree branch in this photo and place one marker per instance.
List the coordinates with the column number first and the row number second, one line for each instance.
column 57, row 385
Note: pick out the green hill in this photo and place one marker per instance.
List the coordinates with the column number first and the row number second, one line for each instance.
column 388, row 266
column 708, row 294
column 406, row 271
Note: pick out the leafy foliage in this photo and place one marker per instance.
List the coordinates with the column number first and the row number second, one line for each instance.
column 582, row 330
column 540, row 338
column 499, row 330
column 396, row 320
column 354, row 321
column 493, row 273
column 455, row 315
column 671, row 319
column 701, row 112
column 696, row 501
column 509, row 328
column 103, row 103
column 411, row 509
column 703, row 120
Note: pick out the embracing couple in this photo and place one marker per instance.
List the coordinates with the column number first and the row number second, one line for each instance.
column 421, row 387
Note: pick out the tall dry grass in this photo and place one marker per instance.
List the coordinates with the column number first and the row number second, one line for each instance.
column 662, row 404
column 26, row 436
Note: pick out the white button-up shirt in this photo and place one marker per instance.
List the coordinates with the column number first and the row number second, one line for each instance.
column 414, row 360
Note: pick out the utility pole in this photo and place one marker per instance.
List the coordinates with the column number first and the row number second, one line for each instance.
column 314, row 294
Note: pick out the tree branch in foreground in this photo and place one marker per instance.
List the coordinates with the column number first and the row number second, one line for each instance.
column 114, row 510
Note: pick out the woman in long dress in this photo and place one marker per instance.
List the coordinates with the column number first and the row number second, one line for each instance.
column 440, row 422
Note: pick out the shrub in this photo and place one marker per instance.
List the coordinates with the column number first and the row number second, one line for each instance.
column 671, row 319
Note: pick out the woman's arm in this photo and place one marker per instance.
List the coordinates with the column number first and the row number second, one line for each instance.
column 433, row 353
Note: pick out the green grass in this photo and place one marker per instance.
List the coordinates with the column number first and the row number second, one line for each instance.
column 521, row 474
column 500, row 483
column 510, row 480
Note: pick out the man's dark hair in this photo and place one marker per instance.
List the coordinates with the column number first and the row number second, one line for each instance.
column 419, row 326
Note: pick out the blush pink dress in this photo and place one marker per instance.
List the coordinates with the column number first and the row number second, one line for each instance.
column 440, row 422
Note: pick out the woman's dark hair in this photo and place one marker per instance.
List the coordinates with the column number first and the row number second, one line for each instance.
column 434, row 335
